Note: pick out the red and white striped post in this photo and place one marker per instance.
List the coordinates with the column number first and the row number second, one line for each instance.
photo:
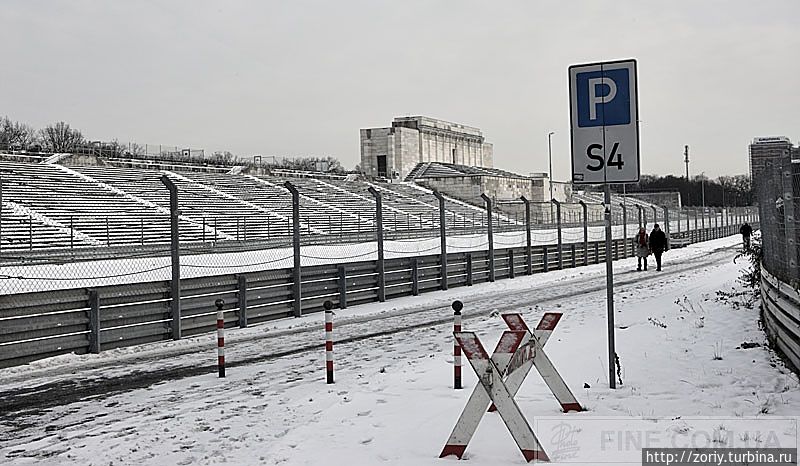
column 457, row 306
column 328, row 339
column 220, row 337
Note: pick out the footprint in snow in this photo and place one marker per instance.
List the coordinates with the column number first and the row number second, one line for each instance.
column 366, row 441
column 364, row 413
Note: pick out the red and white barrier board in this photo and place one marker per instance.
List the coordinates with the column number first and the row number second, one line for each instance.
column 220, row 337
column 328, row 306
column 457, row 306
column 500, row 377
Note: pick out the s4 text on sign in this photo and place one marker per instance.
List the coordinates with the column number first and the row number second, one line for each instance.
column 604, row 125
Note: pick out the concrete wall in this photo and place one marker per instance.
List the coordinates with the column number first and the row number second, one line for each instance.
column 470, row 188
column 465, row 188
column 81, row 160
column 374, row 142
column 670, row 200
column 488, row 155
column 406, row 151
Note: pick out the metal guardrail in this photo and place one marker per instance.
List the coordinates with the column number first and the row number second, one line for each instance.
column 44, row 324
column 781, row 316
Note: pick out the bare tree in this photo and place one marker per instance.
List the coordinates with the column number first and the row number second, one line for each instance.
column 6, row 133
column 135, row 150
column 61, row 138
column 17, row 136
column 25, row 136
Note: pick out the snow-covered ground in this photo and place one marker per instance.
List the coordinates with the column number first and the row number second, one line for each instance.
column 687, row 380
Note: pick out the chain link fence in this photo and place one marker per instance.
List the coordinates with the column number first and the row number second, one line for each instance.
column 776, row 189
column 95, row 257
column 84, row 226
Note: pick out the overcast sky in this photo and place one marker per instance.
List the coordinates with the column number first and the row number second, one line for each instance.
column 301, row 77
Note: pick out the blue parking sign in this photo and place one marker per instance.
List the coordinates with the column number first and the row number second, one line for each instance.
column 604, row 122
column 603, row 98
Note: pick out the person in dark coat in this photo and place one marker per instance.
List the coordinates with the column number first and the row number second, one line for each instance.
column 746, row 230
column 658, row 244
column 642, row 248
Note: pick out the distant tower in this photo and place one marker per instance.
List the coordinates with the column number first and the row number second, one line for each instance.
column 686, row 160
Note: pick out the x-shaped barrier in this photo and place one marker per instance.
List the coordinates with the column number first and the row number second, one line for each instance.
column 500, row 378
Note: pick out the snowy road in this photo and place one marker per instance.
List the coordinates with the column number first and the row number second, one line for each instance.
column 393, row 402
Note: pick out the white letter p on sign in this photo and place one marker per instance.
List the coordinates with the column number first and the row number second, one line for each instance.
column 594, row 99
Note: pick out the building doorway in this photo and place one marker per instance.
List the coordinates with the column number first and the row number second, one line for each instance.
column 382, row 165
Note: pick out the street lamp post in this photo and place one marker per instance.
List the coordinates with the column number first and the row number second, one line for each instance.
column 703, row 188
column 550, row 180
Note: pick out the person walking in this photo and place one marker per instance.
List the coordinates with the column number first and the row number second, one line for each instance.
column 642, row 248
column 658, row 244
column 746, row 230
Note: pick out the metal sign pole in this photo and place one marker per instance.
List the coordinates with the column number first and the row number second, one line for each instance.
column 612, row 383
column 605, row 148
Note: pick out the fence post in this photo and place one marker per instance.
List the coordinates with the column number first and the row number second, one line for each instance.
column 727, row 221
column 443, row 239
column 342, row 287
column 596, row 252
column 469, row 269
column 415, row 276
column 688, row 227
column 528, row 251
column 679, row 222
column 545, row 262
column 558, row 229
column 696, row 231
column 639, row 208
column 716, row 223
column 511, row 273
column 30, row 232
column 175, row 284
column 297, row 274
column 488, row 202
column 71, row 233
column 703, row 224
column 585, row 209
column 666, row 226
column 328, row 306
column 457, row 307
column 379, row 228
column 94, row 322
column 655, row 215
column 624, row 230
column 572, row 251
column 241, row 297
column 220, row 337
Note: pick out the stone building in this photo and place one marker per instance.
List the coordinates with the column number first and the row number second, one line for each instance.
column 504, row 188
column 394, row 151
